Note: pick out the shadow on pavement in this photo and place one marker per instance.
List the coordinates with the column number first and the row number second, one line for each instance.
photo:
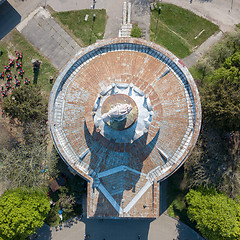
column 187, row 233
column 119, row 229
column 163, row 204
column 9, row 18
column 43, row 233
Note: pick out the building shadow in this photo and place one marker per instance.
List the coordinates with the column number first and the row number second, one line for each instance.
column 9, row 18
column 117, row 229
column 163, row 203
column 186, row 232
column 107, row 155
column 43, row 233
column 171, row 188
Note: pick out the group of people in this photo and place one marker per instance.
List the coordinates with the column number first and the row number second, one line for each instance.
column 7, row 74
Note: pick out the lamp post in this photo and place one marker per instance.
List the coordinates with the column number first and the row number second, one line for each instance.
column 94, row 18
column 159, row 12
column 231, row 5
column 45, row 3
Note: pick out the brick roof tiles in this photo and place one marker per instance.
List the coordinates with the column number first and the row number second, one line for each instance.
column 123, row 177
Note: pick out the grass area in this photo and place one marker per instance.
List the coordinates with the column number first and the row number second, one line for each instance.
column 16, row 41
column 176, row 29
column 86, row 31
column 4, row 57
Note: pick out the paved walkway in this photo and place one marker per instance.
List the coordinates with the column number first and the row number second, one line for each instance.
column 141, row 15
column 163, row 228
column 42, row 31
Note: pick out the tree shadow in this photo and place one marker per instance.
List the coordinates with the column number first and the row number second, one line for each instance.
column 163, row 203
column 9, row 19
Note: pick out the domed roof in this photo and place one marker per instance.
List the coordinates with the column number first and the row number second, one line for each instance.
column 124, row 156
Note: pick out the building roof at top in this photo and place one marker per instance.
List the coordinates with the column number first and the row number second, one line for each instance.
column 123, row 174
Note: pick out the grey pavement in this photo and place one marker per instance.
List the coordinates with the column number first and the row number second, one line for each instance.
column 43, row 32
column 141, row 15
column 162, row 228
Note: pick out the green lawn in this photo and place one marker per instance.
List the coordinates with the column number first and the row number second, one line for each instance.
column 16, row 41
column 176, row 29
column 4, row 57
column 86, row 31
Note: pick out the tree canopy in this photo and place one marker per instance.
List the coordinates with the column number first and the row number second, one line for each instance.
column 221, row 96
column 26, row 103
column 217, row 216
column 27, row 165
column 21, row 213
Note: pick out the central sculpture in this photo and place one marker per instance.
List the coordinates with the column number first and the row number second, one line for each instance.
column 117, row 113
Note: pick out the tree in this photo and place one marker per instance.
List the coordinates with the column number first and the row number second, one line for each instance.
column 221, row 97
column 26, row 104
column 217, row 216
column 224, row 49
column 136, row 32
column 22, row 211
column 27, row 165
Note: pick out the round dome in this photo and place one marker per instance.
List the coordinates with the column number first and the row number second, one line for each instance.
column 123, row 120
column 124, row 114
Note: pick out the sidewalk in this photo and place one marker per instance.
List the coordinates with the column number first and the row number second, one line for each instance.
column 163, row 228
column 43, row 32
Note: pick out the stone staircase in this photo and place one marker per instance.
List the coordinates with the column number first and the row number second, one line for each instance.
column 126, row 26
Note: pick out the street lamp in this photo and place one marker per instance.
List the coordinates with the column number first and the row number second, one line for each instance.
column 45, row 3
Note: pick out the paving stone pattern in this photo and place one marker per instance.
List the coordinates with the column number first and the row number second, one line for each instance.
column 50, row 39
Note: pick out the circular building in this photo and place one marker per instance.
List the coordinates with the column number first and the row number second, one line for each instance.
column 124, row 114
